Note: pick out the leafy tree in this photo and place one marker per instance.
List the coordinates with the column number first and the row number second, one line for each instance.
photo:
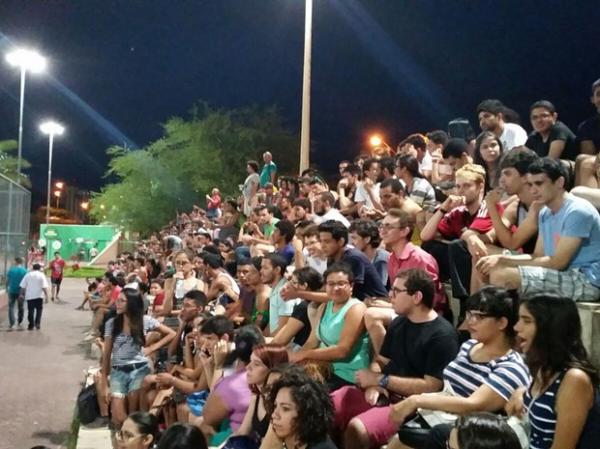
column 193, row 156
column 9, row 163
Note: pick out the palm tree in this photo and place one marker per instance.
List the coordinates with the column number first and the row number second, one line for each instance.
column 8, row 163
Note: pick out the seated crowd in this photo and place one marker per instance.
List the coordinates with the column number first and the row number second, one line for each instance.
column 304, row 316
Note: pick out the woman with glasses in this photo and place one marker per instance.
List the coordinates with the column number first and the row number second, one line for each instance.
column 482, row 377
column 340, row 337
column 563, row 402
column 176, row 287
column 139, row 431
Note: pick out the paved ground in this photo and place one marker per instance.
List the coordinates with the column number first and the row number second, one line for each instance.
column 41, row 372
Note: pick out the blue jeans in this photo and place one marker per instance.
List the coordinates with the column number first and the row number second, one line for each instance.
column 13, row 298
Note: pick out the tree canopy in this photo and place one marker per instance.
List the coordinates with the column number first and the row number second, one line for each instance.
column 9, row 163
column 175, row 172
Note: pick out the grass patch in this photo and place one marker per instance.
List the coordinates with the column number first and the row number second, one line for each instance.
column 71, row 442
column 84, row 272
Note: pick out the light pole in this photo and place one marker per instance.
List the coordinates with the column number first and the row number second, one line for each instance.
column 25, row 60
column 52, row 129
column 305, row 132
column 377, row 141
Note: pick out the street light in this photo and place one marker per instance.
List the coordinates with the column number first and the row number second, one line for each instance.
column 59, row 185
column 57, row 195
column 52, row 129
column 377, row 141
column 306, row 78
column 25, row 60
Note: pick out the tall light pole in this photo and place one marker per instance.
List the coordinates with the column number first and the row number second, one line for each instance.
column 52, row 129
column 305, row 132
column 25, row 60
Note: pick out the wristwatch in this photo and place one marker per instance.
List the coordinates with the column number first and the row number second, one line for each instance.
column 384, row 381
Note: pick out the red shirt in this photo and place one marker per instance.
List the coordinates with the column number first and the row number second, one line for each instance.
column 57, row 267
column 215, row 202
column 459, row 220
column 415, row 257
column 159, row 299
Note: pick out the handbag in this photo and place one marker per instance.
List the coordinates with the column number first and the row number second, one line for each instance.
column 87, row 405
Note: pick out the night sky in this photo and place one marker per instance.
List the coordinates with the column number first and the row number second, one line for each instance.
column 120, row 69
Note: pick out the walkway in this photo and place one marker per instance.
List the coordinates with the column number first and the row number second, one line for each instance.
column 40, row 373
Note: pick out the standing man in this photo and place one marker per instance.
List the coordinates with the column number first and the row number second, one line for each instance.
column 15, row 275
column 269, row 170
column 33, row 286
column 57, row 267
column 250, row 188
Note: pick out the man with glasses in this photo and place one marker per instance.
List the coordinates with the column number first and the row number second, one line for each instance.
column 396, row 230
column 418, row 346
column 550, row 137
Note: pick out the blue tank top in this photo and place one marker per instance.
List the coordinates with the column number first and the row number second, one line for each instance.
column 542, row 418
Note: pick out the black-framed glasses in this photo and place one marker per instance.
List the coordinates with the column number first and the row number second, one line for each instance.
column 397, row 291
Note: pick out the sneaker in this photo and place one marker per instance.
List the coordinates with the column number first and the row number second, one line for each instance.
column 29, row 328
column 10, row 328
column 37, row 327
column 90, row 337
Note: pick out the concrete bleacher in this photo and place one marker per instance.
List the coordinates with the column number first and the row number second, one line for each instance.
column 589, row 313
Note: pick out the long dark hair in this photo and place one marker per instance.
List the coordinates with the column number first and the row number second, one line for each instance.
column 557, row 345
column 182, row 436
column 478, row 159
column 135, row 314
column 485, row 430
column 146, row 423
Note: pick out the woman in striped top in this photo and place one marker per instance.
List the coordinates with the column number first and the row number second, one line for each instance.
column 482, row 377
column 562, row 403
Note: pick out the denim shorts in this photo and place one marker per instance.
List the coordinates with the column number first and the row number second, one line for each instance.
column 123, row 383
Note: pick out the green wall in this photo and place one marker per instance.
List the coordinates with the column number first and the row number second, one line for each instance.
column 76, row 240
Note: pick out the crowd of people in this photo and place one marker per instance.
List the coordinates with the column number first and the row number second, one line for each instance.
column 304, row 315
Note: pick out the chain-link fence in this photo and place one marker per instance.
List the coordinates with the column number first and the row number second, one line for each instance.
column 15, row 212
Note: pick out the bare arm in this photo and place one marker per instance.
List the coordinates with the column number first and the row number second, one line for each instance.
column 565, row 250
column 588, row 147
column 429, row 231
column 556, row 149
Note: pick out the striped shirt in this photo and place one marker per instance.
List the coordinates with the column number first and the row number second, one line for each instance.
column 542, row 416
column 423, row 194
column 503, row 375
column 125, row 350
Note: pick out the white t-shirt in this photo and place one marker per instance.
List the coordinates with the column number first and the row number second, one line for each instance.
column 332, row 214
column 278, row 307
column 512, row 136
column 427, row 163
column 362, row 195
column 34, row 284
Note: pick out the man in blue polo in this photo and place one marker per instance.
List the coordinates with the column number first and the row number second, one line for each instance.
column 15, row 275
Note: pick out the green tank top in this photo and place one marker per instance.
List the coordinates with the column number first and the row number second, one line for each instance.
column 329, row 331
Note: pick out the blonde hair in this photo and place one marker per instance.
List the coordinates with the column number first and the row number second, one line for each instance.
column 472, row 172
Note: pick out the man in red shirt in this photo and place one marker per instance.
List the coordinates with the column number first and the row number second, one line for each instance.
column 456, row 233
column 57, row 267
column 396, row 230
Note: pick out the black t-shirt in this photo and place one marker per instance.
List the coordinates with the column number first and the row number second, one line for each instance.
column 559, row 131
column 419, row 349
column 300, row 313
column 367, row 282
column 325, row 444
column 590, row 130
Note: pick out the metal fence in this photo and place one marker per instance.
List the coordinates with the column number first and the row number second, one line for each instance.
column 15, row 213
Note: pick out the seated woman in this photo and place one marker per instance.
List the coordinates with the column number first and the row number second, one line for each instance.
column 182, row 436
column 488, row 150
column 298, row 328
column 340, row 337
column 125, row 355
column 301, row 412
column 230, row 397
column 482, row 377
column 263, row 361
column 563, row 402
column 139, row 431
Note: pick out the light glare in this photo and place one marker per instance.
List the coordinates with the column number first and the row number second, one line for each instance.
column 29, row 60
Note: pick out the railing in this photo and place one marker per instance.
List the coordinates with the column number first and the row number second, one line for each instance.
column 15, row 213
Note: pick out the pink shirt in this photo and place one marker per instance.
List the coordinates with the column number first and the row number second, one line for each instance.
column 236, row 395
column 415, row 257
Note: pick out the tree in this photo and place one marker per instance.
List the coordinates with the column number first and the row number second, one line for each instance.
column 193, row 156
column 9, row 163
